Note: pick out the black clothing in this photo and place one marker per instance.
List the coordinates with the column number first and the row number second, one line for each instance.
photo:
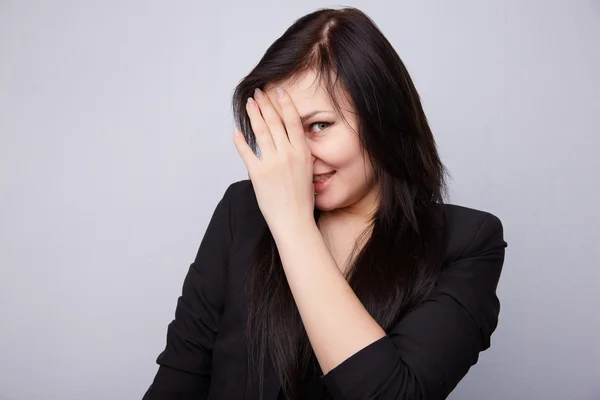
column 423, row 357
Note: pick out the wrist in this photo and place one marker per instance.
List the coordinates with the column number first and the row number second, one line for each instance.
column 294, row 229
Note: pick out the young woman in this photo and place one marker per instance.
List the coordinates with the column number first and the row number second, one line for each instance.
column 335, row 271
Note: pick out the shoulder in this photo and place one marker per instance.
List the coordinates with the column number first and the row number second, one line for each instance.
column 470, row 232
column 242, row 198
column 473, row 263
column 245, row 216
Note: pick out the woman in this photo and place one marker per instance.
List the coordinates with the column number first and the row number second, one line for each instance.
column 336, row 270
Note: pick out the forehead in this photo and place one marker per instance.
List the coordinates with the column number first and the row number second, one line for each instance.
column 306, row 91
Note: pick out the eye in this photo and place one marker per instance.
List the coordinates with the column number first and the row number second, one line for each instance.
column 321, row 123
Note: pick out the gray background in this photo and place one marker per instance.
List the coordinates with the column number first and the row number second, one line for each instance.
column 116, row 146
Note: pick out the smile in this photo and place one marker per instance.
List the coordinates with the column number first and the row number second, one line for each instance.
column 323, row 177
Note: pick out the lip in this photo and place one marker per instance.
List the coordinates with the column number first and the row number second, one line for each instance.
column 321, row 186
column 323, row 173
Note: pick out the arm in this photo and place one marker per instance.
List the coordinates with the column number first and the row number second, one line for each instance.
column 185, row 363
column 428, row 352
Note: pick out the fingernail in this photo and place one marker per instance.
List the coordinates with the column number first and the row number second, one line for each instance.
column 280, row 93
column 258, row 93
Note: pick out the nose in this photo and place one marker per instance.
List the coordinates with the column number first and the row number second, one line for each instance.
column 311, row 149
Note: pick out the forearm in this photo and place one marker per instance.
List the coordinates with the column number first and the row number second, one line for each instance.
column 335, row 320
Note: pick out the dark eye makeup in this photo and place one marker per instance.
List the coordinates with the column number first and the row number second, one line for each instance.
column 320, row 123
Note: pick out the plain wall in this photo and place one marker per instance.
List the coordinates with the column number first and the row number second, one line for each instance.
column 115, row 147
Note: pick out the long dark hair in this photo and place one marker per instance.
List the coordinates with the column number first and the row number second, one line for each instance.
column 399, row 263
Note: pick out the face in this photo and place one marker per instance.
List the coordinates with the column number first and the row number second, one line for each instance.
column 334, row 146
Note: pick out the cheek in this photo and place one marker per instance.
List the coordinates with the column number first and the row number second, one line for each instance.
column 355, row 168
column 354, row 172
column 336, row 154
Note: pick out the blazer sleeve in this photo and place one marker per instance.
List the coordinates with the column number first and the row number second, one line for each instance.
column 434, row 345
column 185, row 363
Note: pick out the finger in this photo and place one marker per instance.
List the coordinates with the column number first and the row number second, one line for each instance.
column 291, row 120
column 260, row 128
column 272, row 119
column 244, row 150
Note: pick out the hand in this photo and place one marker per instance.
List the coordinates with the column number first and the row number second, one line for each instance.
column 282, row 176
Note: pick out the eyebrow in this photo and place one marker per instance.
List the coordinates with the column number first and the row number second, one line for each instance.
column 311, row 114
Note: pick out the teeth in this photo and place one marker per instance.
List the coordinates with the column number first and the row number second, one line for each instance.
column 322, row 178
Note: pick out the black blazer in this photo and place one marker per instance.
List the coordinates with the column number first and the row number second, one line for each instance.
column 423, row 357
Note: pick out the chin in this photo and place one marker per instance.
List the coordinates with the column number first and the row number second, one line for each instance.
column 324, row 205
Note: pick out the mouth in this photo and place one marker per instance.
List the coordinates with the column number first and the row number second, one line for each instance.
column 322, row 177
